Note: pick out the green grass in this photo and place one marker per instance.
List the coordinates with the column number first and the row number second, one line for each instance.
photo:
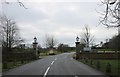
column 115, row 65
column 0, row 67
column 57, row 52
column 43, row 54
column 47, row 53
column 11, row 65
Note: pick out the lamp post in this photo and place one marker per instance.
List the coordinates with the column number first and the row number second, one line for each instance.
column 35, row 47
column 77, row 47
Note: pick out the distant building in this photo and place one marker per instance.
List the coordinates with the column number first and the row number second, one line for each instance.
column 28, row 46
column 22, row 46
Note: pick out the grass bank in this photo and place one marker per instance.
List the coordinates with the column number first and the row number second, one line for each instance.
column 11, row 65
column 109, row 67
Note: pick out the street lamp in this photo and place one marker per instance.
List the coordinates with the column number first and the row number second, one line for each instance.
column 35, row 43
column 77, row 38
column 35, row 39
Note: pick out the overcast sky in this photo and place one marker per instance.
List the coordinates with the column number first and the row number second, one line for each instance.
column 64, row 19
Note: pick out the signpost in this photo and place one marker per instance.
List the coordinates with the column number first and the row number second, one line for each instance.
column 87, row 49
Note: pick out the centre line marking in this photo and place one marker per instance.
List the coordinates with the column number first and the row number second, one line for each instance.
column 46, row 71
column 71, row 58
column 55, row 58
column 52, row 62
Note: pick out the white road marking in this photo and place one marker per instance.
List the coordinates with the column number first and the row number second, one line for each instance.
column 71, row 58
column 55, row 58
column 76, row 76
column 52, row 62
column 46, row 72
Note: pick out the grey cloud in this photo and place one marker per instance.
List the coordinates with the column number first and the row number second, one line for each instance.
column 23, row 15
column 85, row 14
column 59, row 15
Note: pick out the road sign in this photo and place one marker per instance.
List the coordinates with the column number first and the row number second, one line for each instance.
column 87, row 48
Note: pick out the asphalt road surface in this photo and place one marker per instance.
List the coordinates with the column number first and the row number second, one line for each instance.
column 62, row 64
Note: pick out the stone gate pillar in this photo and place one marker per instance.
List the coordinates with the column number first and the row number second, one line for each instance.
column 77, row 47
column 35, row 47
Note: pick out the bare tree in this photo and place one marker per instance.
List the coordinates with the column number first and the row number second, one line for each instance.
column 86, row 37
column 50, row 41
column 18, row 1
column 111, row 15
column 9, row 33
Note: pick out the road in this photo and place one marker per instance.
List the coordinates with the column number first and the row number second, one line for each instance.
column 62, row 64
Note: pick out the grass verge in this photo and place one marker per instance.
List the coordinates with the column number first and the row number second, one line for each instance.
column 11, row 65
column 102, row 65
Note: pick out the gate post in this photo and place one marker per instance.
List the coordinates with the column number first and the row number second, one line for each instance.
column 77, row 47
